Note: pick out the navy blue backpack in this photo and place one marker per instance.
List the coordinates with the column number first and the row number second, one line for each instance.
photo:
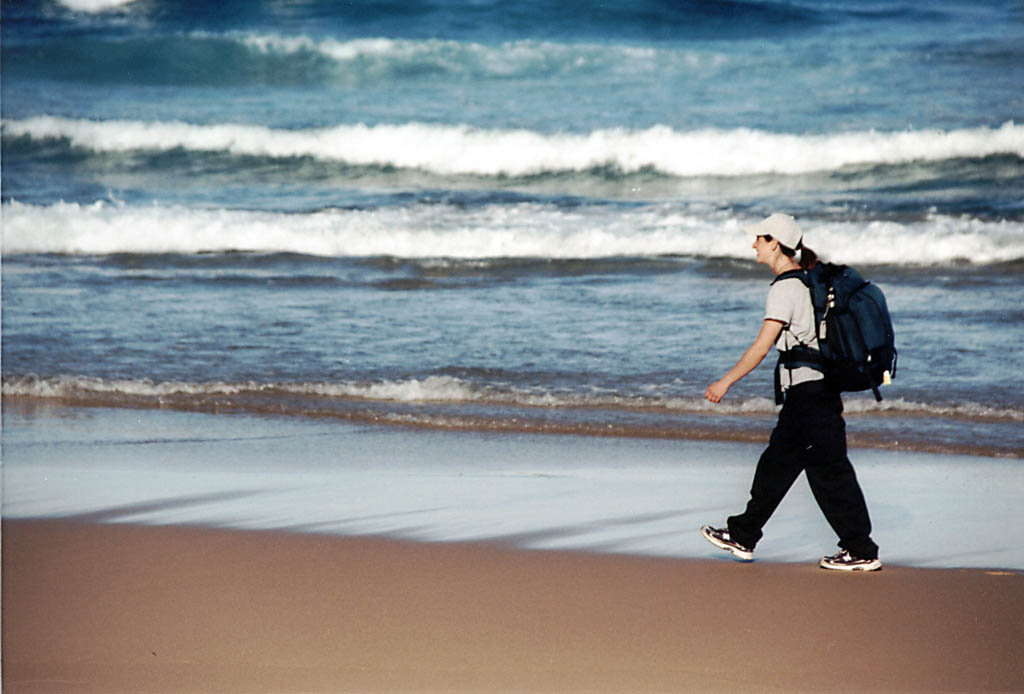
column 858, row 346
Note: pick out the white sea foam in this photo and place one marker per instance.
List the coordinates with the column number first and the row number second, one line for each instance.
column 93, row 6
column 462, row 150
column 517, row 230
column 429, row 389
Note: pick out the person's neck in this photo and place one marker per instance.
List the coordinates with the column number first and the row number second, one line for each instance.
column 784, row 264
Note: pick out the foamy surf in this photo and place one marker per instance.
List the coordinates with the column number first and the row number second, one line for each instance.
column 443, row 389
column 464, row 150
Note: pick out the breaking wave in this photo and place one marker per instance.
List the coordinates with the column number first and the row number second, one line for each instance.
column 463, row 150
column 199, row 58
column 490, row 230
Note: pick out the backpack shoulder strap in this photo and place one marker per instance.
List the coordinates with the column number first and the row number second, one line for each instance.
column 799, row 274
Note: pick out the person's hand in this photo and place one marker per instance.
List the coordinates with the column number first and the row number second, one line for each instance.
column 716, row 391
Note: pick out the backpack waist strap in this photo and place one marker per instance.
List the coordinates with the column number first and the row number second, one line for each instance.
column 795, row 357
column 802, row 355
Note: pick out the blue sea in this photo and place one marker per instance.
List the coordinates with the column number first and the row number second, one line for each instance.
column 506, row 216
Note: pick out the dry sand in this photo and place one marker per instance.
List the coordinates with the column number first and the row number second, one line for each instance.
column 119, row 608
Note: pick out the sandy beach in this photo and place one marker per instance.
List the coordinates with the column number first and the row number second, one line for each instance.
column 111, row 608
column 152, row 551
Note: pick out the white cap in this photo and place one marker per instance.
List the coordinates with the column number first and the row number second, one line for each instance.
column 781, row 227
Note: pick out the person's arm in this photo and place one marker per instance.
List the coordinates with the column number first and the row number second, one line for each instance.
column 754, row 355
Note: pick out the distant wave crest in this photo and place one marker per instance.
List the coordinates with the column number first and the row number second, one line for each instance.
column 200, row 58
column 92, row 6
column 463, row 150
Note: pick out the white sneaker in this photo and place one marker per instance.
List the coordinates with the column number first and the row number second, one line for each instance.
column 844, row 561
column 720, row 538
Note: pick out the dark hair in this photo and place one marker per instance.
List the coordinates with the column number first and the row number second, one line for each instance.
column 808, row 258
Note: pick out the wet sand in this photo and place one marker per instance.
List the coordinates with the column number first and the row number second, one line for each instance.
column 118, row 607
column 597, row 494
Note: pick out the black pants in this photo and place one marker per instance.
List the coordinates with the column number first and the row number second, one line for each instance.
column 810, row 436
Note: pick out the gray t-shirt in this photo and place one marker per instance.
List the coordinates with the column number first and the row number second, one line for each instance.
column 789, row 302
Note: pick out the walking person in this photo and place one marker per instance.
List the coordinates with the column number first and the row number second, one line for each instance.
column 810, row 434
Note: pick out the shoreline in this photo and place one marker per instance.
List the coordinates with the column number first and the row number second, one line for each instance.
column 116, row 607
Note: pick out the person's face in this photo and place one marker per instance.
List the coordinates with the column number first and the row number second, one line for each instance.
column 764, row 249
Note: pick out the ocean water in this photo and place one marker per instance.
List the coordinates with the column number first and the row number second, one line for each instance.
column 475, row 215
